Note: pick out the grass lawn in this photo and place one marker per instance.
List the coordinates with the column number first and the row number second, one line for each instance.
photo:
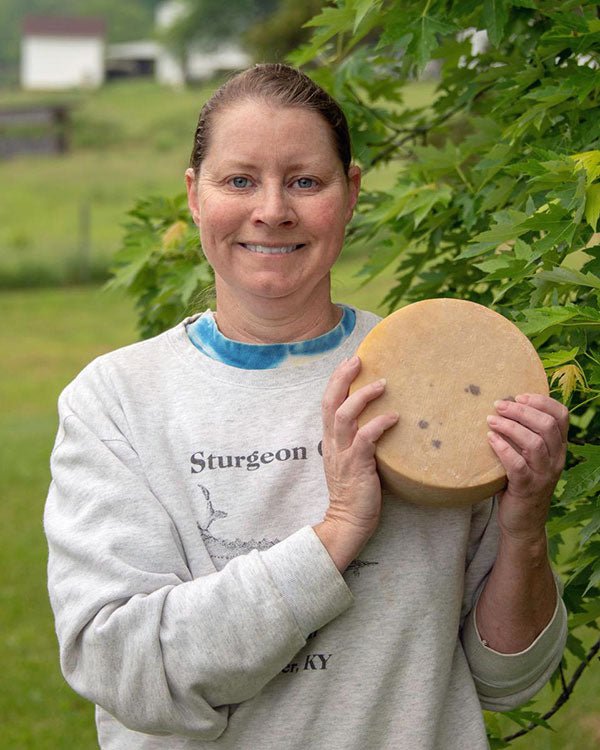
column 46, row 338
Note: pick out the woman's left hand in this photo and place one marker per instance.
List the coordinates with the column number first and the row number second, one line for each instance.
column 529, row 436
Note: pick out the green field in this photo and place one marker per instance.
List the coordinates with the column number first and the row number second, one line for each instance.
column 46, row 338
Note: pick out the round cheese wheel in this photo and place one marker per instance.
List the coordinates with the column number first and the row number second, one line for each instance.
column 446, row 361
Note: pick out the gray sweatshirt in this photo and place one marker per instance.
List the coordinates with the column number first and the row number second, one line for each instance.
column 197, row 608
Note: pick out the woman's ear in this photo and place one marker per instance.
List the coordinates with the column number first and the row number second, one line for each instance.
column 191, row 185
column 354, row 177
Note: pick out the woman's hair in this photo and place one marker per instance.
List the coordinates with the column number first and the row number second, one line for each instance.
column 275, row 84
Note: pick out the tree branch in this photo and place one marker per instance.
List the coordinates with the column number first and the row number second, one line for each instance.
column 564, row 696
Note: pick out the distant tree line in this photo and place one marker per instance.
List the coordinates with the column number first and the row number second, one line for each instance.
column 268, row 29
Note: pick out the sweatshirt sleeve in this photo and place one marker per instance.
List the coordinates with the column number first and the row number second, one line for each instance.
column 504, row 681
column 162, row 651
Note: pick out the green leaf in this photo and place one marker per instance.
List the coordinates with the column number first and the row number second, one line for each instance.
column 592, row 205
column 539, row 319
column 496, row 198
column 590, row 530
column 330, row 22
column 509, row 226
column 494, row 161
column 333, row 20
column 594, row 578
column 569, row 520
column 387, row 252
column 586, row 451
column 575, row 646
column 584, row 477
column 425, row 31
column 362, row 8
column 556, row 224
column 590, row 162
column 503, row 266
column 523, row 718
column 561, row 275
column 494, row 16
column 523, row 251
column 590, row 614
column 408, row 199
column 554, row 359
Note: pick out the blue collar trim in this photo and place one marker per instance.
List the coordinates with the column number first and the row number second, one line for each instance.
column 205, row 336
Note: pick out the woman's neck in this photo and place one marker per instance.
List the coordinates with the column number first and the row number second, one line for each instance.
column 275, row 321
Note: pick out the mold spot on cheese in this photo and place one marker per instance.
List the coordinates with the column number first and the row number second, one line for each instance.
column 423, row 424
column 474, row 389
column 508, row 398
column 436, row 443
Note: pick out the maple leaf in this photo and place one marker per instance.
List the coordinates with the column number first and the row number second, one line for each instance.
column 174, row 234
column 568, row 376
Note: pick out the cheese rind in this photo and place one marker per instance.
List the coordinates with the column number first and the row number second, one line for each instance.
column 445, row 361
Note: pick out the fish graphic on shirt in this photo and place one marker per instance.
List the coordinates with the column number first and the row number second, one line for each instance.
column 220, row 548
column 226, row 549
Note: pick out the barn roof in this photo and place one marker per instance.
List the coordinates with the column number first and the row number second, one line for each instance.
column 63, row 26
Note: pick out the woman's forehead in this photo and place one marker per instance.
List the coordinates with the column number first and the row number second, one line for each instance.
column 253, row 129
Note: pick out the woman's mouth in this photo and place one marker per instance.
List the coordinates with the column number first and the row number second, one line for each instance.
column 271, row 249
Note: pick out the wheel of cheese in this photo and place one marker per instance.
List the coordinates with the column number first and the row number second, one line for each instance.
column 446, row 361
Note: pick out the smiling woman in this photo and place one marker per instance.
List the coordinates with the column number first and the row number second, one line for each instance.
column 298, row 606
column 272, row 213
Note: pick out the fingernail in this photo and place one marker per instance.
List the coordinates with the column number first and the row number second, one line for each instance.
column 353, row 360
column 500, row 405
column 381, row 383
column 522, row 399
column 491, row 419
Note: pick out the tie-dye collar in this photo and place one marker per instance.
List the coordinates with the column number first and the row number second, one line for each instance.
column 206, row 337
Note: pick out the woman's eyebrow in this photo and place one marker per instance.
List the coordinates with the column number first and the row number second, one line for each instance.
column 234, row 164
column 299, row 166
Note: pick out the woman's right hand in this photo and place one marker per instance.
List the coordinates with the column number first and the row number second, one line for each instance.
column 349, row 462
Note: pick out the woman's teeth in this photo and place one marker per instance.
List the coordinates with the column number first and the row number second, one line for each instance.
column 271, row 250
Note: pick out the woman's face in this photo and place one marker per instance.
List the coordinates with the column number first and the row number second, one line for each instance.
column 272, row 202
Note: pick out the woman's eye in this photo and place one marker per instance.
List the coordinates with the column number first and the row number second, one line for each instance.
column 240, row 182
column 306, row 182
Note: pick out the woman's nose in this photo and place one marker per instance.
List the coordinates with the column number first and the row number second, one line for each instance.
column 274, row 208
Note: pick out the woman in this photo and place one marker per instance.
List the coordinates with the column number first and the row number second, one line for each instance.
column 223, row 569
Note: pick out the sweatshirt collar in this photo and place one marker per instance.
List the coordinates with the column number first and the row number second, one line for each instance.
column 206, row 337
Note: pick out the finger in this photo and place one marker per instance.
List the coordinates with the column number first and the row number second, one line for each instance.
column 536, row 420
column 528, row 443
column 345, row 422
column 549, row 406
column 515, row 465
column 368, row 435
column 337, row 391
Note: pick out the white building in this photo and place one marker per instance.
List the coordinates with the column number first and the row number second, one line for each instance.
column 62, row 53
